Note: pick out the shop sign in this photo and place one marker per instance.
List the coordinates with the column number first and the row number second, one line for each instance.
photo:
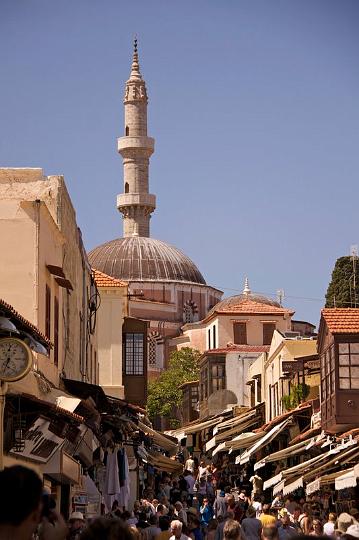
column 293, row 366
column 40, row 442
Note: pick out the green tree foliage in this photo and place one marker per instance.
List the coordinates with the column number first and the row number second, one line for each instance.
column 340, row 291
column 164, row 394
column 297, row 395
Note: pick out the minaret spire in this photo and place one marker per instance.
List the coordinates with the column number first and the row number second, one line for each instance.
column 136, row 203
column 246, row 289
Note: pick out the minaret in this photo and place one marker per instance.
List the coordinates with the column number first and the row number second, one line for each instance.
column 136, row 203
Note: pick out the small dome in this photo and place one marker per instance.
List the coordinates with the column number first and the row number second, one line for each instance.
column 137, row 258
column 242, row 302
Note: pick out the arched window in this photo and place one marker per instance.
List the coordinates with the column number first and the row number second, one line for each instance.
column 190, row 312
column 127, row 187
column 155, row 350
column 151, row 351
column 127, row 131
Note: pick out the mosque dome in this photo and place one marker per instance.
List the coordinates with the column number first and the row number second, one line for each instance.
column 138, row 258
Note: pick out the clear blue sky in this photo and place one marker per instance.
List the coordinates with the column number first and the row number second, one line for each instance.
column 254, row 107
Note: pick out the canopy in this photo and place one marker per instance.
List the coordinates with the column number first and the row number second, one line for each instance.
column 237, row 429
column 314, row 486
column 266, row 439
column 282, row 454
column 194, row 428
column 228, row 424
column 289, row 488
column 164, row 463
column 161, row 440
column 272, row 481
column 348, row 479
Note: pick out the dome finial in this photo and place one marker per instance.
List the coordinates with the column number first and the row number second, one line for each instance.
column 135, row 68
column 246, row 289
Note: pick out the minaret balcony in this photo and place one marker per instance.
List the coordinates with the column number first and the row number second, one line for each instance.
column 136, row 199
column 127, row 144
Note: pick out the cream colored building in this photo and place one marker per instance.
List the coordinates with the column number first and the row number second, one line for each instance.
column 45, row 275
column 269, row 380
column 110, row 319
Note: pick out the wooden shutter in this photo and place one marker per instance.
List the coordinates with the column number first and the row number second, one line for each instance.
column 240, row 333
column 48, row 312
column 56, row 331
column 268, row 329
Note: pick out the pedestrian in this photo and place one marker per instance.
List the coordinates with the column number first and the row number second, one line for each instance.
column 176, row 529
column 180, row 512
column 270, row 533
column 153, row 530
column 285, row 529
column 257, row 504
column 76, row 525
column 251, row 526
column 164, row 525
column 219, row 532
column 220, row 505
column 329, row 526
column 206, row 512
column 317, row 528
column 211, row 530
column 175, row 493
column 195, row 529
column 266, row 518
column 232, row 530
column 189, row 465
column 304, row 520
column 107, row 529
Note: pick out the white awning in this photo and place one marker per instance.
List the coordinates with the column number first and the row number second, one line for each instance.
column 278, row 488
column 202, row 425
column 245, row 423
column 312, row 487
column 282, row 454
column 293, row 486
column 348, row 479
column 266, row 439
column 160, row 439
column 272, row 481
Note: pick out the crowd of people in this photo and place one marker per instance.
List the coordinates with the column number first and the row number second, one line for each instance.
column 195, row 505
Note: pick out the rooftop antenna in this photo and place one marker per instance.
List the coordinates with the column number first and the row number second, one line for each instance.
column 280, row 296
column 354, row 258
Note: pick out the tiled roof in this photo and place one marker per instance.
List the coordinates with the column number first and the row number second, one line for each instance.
column 305, row 435
column 239, row 348
column 9, row 311
column 251, row 306
column 103, row 280
column 342, row 320
column 302, row 407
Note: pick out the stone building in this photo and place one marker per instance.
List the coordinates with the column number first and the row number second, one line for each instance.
column 46, row 276
column 165, row 286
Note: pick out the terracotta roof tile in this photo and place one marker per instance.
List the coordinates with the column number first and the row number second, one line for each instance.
column 251, row 306
column 239, row 348
column 11, row 311
column 342, row 320
column 103, row 280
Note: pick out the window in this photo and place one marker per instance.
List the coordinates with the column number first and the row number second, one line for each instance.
column 56, row 331
column 218, row 377
column 151, row 351
column 209, row 338
column 204, row 383
column 134, row 354
column 127, row 131
column 240, row 333
column 268, row 329
column 127, row 187
column 48, row 312
column 349, row 366
column 187, row 313
column 194, row 397
column 214, row 336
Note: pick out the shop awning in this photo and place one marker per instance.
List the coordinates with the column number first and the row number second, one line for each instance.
column 318, row 483
column 282, row 454
column 235, row 430
column 348, row 479
column 164, row 463
column 159, row 439
column 272, row 481
column 266, row 439
column 195, row 428
column 289, row 488
column 278, row 488
column 232, row 422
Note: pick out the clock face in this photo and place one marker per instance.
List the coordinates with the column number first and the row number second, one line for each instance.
column 15, row 359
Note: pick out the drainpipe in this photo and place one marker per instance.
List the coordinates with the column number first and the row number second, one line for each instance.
column 37, row 204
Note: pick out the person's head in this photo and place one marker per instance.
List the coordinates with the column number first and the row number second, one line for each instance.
column 160, row 508
column 257, row 498
column 332, row 517
column 20, row 500
column 205, row 502
column 176, row 528
column 153, row 520
column 266, row 509
column 191, row 456
column 212, row 525
column 352, row 532
column 76, row 520
column 344, row 521
column 270, row 533
column 164, row 523
column 107, row 529
column 284, row 516
column 232, row 530
column 114, row 506
column 317, row 526
column 296, row 513
column 251, row 512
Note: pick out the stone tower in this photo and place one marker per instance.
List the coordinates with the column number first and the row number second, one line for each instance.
column 136, row 203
